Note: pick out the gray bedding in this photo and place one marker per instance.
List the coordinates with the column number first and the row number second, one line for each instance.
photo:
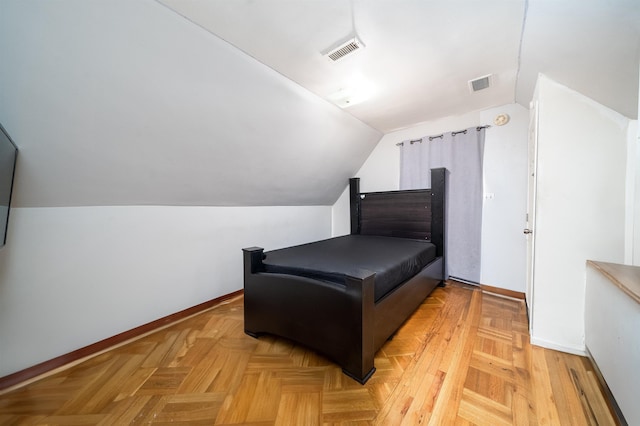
column 394, row 260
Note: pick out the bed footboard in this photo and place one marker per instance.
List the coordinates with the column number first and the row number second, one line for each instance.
column 334, row 319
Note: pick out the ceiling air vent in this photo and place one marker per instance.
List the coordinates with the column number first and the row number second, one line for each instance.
column 480, row 83
column 344, row 49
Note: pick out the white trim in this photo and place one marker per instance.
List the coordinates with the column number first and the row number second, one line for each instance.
column 582, row 351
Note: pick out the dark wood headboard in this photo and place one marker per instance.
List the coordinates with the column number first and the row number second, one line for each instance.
column 417, row 213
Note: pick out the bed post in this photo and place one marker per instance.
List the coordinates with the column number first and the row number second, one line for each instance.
column 438, row 212
column 354, row 201
column 252, row 259
column 357, row 359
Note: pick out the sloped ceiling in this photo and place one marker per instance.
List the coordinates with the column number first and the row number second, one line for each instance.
column 127, row 103
column 420, row 55
column 590, row 46
column 230, row 102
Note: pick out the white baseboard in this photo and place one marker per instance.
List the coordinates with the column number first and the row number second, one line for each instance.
column 582, row 351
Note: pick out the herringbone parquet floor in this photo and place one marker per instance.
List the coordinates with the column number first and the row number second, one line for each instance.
column 462, row 358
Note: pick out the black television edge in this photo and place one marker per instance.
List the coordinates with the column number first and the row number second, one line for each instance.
column 8, row 155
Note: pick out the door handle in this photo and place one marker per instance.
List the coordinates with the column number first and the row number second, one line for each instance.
column 528, row 231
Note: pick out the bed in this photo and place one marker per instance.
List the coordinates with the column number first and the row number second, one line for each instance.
column 346, row 296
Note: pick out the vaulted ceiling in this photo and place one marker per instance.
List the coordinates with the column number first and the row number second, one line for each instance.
column 419, row 55
column 231, row 102
column 127, row 103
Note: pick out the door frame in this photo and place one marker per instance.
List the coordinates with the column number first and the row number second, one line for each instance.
column 530, row 218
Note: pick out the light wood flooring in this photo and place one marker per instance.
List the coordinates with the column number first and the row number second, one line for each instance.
column 463, row 358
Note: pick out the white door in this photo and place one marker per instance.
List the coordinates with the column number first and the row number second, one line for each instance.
column 531, row 207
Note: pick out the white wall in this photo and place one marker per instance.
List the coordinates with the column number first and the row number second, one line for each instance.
column 580, row 210
column 504, row 247
column 505, row 175
column 70, row 277
column 613, row 340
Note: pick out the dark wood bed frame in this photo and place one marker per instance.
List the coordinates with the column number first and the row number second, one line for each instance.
column 344, row 322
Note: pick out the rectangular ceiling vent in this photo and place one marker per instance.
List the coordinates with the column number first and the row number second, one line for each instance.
column 480, row 83
column 344, row 49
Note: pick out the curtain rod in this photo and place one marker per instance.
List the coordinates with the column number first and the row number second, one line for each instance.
column 478, row 128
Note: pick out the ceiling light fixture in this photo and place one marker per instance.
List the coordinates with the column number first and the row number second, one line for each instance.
column 357, row 89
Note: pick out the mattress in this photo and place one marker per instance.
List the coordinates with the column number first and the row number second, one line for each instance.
column 394, row 260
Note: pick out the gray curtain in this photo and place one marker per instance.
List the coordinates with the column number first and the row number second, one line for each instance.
column 461, row 153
